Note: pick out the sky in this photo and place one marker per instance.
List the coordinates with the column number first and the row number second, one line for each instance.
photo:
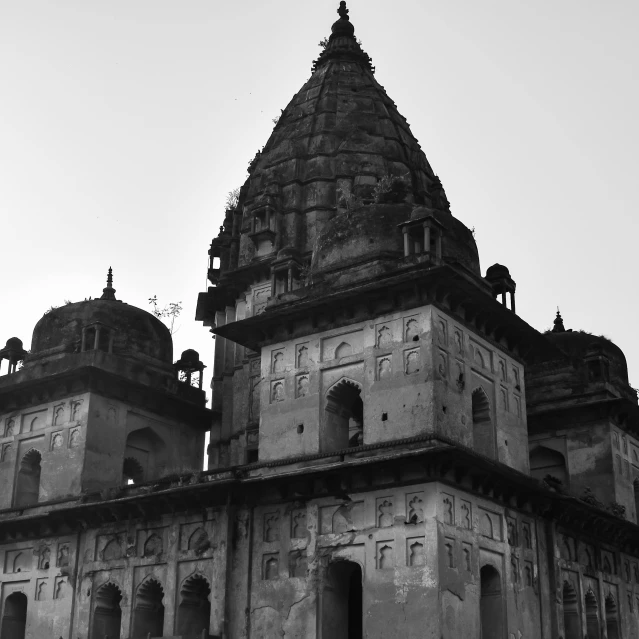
column 124, row 125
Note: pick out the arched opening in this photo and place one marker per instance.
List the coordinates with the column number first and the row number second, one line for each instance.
column 107, row 614
column 592, row 616
column 483, row 435
column 132, row 471
column 491, row 605
column 341, row 602
column 612, row 618
column 148, row 613
column 343, row 417
column 28, row 480
column 545, row 461
column 572, row 622
column 14, row 618
column 194, row 611
column 147, row 448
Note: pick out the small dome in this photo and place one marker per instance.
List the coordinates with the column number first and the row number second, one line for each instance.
column 581, row 346
column 191, row 356
column 14, row 343
column 497, row 271
column 131, row 329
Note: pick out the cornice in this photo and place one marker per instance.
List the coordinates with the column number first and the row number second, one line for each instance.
column 93, row 379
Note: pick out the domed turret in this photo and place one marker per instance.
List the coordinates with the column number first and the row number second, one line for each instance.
column 104, row 324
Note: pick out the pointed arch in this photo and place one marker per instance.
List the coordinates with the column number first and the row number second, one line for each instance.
column 343, row 423
column 28, row 479
column 198, row 539
column 340, row 601
column 148, row 610
column 572, row 618
column 546, row 461
column 612, row 617
column 592, row 616
column 153, row 545
column 194, row 609
column 343, row 350
column 107, row 613
column 491, row 603
column 14, row 617
column 483, row 430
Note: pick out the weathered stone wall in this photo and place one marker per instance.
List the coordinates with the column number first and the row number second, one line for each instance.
column 599, row 457
column 417, row 372
column 57, row 430
column 45, row 571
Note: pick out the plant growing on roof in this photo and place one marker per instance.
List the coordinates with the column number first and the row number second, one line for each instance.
column 169, row 312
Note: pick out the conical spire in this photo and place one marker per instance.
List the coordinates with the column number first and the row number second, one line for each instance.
column 108, row 293
column 342, row 43
column 558, row 323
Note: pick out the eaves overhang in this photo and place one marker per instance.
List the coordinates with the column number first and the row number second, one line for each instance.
column 449, row 288
column 420, row 459
column 23, row 394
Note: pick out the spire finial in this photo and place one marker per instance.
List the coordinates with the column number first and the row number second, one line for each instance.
column 108, row 293
column 343, row 11
column 558, row 323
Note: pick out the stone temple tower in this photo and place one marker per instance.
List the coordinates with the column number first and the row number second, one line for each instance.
column 97, row 399
column 393, row 452
column 348, row 301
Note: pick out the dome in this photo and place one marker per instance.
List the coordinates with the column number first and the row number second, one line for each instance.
column 132, row 330
column 583, row 347
column 373, row 230
column 14, row 343
column 337, row 139
column 497, row 271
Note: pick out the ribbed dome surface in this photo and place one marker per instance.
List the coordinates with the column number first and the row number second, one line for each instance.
column 337, row 137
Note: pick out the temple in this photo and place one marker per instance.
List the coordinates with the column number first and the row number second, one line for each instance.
column 393, row 450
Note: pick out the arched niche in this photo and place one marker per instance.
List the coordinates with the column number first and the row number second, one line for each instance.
column 146, row 447
column 194, row 608
column 107, row 614
column 343, row 416
column 612, row 618
column 340, row 601
column 28, row 479
column 572, row 618
column 483, row 427
column 591, row 606
column 491, row 603
column 14, row 616
column 546, row 461
column 148, row 610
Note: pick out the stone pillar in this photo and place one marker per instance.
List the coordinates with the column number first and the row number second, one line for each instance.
column 426, row 238
column 96, row 342
column 438, row 247
column 406, row 242
column 84, row 340
column 289, row 283
column 512, row 301
column 503, row 298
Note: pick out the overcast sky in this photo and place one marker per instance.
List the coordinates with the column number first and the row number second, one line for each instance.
column 124, row 124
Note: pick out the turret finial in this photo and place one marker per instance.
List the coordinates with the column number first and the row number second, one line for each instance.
column 343, row 11
column 108, row 293
column 558, row 323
